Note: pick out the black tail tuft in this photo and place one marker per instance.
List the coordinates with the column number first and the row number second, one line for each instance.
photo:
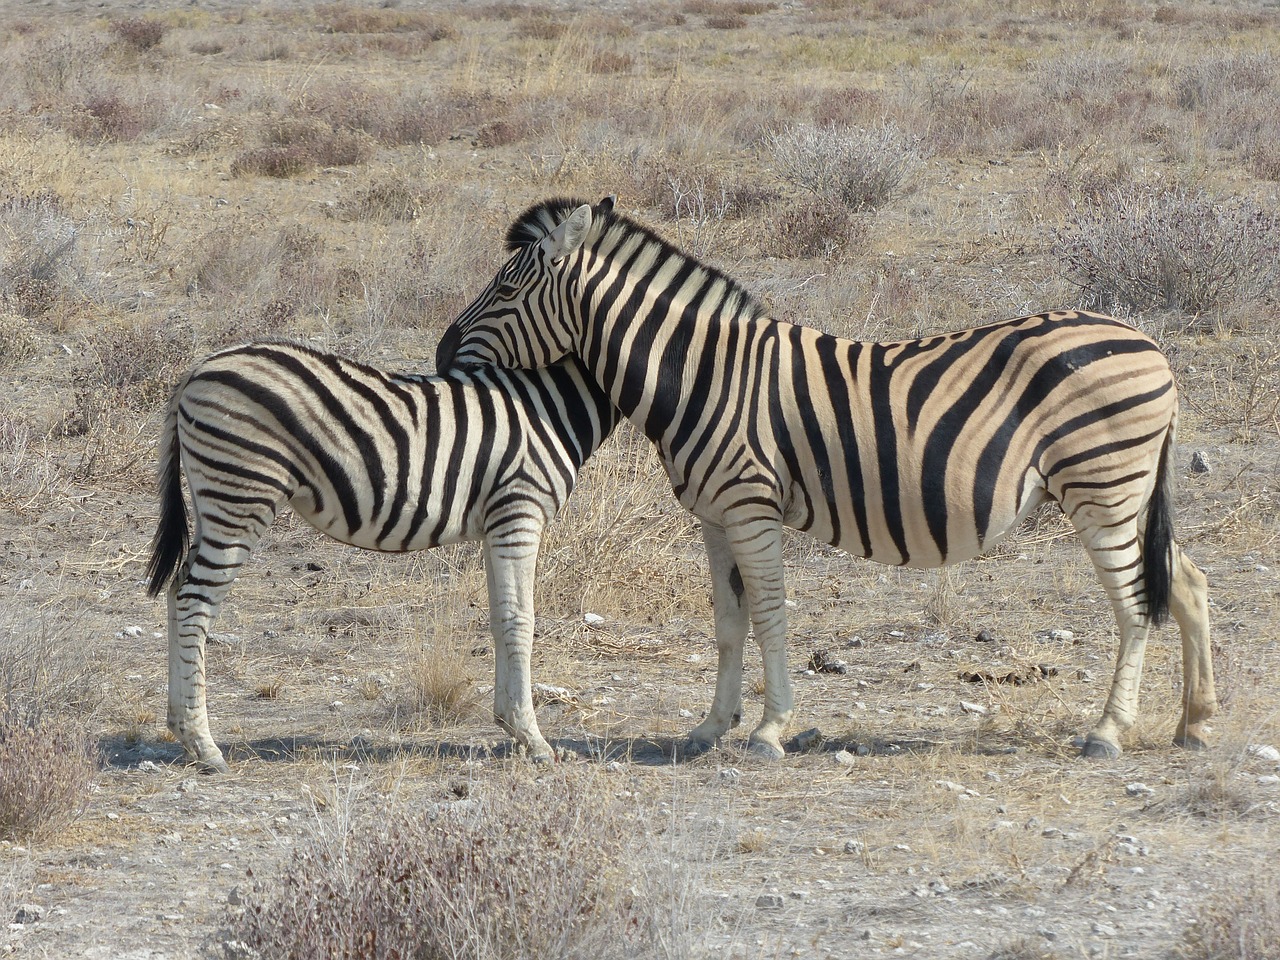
column 169, row 546
column 1157, row 545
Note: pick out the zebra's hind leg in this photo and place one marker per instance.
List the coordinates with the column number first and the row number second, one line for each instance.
column 194, row 600
column 731, row 616
column 1117, row 560
column 1189, row 604
column 509, row 571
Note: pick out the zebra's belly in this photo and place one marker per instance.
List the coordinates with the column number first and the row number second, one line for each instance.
column 396, row 527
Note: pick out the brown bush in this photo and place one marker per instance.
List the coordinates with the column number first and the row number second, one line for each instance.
column 552, row 867
column 139, row 33
column 46, row 766
column 816, row 228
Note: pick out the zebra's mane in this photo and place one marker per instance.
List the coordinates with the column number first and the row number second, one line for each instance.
column 542, row 218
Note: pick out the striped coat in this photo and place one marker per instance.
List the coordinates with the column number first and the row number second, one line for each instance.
column 919, row 452
column 378, row 460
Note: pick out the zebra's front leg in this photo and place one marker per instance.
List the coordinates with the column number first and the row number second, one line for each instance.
column 191, row 612
column 509, row 570
column 728, row 597
column 757, row 548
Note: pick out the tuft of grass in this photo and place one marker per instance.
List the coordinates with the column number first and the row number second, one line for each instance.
column 1144, row 247
column 815, row 228
column 1240, row 923
column 518, row 869
column 861, row 167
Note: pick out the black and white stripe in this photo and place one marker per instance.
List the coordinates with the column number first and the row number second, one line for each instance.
column 920, row 452
column 379, row 460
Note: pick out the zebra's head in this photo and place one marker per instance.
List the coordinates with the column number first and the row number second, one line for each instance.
column 520, row 320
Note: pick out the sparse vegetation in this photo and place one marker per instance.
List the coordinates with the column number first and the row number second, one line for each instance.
column 343, row 174
column 1145, row 247
column 860, row 168
column 519, row 868
column 1239, row 923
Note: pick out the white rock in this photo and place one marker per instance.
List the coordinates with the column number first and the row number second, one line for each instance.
column 975, row 708
column 592, row 619
column 1138, row 789
column 950, row 785
column 844, row 758
column 129, row 633
column 1269, row 780
column 1264, row 752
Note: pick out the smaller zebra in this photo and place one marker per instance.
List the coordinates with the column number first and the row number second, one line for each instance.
column 382, row 461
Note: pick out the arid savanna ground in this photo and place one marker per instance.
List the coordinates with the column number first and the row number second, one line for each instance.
column 175, row 177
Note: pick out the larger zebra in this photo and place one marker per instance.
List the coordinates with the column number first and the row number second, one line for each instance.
column 920, row 452
column 379, row 460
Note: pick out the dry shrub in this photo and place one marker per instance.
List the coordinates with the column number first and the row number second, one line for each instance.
column 523, row 868
column 387, row 200
column 1206, row 82
column 138, row 364
column 816, row 228
column 107, row 116
column 58, row 64
column 1241, row 923
column 726, row 21
column 1143, row 247
column 46, row 766
column 17, row 339
column 46, row 759
column 139, row 33
column 862, row 168
column 344, row 18
column 39, row 257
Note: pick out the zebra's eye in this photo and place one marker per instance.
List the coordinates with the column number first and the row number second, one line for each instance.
column 506, row 289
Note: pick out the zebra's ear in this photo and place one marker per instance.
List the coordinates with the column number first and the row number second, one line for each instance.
column 606, row 205
column 568, row 236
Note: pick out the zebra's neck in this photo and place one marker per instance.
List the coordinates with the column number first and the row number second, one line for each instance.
column 656, row 324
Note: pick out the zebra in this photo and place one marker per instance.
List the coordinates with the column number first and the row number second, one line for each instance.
column 919, row 453
column 379, row 460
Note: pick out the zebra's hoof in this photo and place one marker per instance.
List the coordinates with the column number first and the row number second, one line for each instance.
column 1099, row 750
column 766, row 751
column 1189, row 741
column 212, row 765
column 690, row 749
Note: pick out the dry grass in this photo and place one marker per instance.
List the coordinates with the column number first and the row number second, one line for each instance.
column 517, row 868
column 344, row 173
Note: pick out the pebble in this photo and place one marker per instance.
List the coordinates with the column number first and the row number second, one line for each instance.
column 769, row 901
column 1058, row 634
column 1138, row 789
column 844, row 758
column 29, row 913
column 854, row 847
column 730, row 774
column 1200, row 463
column 592, row 619
column 975, row 708
column 1103, row 929
column 1264, row 752
column 1269, row 780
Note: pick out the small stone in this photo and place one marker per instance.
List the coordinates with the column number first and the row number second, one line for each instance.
column 129, row 633
column 976, row 709
column 950, row 785
column 336, row 706
column 808, row 740
column 844, row 758
column 984, row 636
column 1200, row 463
column 1103, row 929
column 29, row 913
column 614, row 766
column 233, row 898
column 730, row 774
column 938, row 887
column 592, row 619
column 1269, row 780
column 924, row 687
column 686, row 714
column 1264, row 752
column 1057, row 634
column 769, row 901
column 1138, row 789
column 854, row 846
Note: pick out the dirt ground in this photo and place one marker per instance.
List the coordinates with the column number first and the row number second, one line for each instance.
column 932, row 804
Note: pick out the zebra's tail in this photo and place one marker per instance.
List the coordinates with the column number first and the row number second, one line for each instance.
column 169, row 546
column 1157, row 544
